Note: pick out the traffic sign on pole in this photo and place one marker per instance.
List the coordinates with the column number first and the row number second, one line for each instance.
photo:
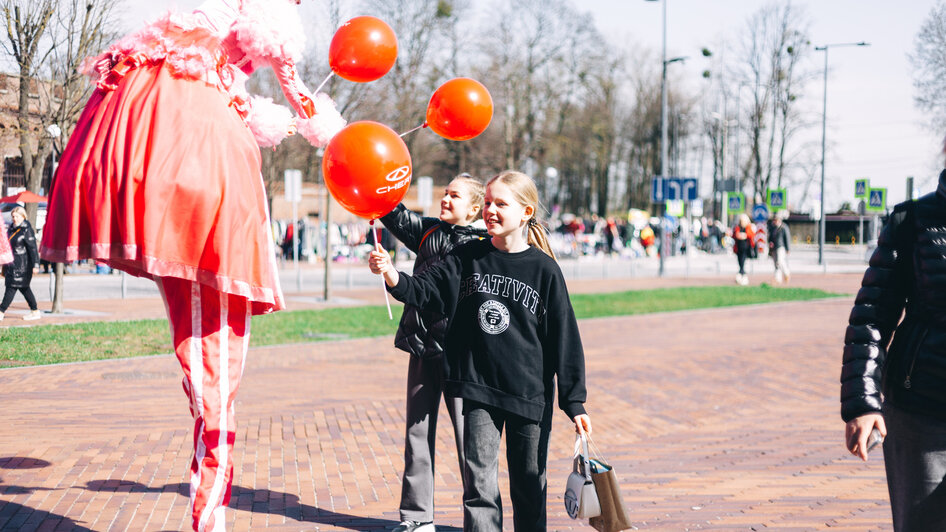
column 861, row 187
column 760, row 212
column 735, row 202
column 674, row 188
column 776, row 199
column 657, row 192
column 877, row 200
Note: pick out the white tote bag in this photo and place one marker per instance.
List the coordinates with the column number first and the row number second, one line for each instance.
column 581, row 499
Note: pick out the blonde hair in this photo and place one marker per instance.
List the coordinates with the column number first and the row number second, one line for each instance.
column 476, row 189
column 523, row 187
column 19, row 210
column 744, row 219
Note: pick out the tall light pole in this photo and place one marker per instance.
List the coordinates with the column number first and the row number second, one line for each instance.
column 824, row 123
column 663, row 123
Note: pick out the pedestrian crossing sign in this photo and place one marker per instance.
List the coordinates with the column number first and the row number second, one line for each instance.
column 776, row 199
column 861, row 187
column 877, row 200
column 735, row 202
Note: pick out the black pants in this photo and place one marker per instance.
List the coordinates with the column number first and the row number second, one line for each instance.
column 11, row 291
column 527, row 449
column 915, row 459
column 742, row 253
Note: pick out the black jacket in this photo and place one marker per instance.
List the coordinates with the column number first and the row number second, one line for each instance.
column 907, row 271
column 780, row 237
column 19, row 273
column 512, row 331
column 421, row 333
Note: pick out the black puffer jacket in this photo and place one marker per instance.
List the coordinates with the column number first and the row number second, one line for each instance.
column 19, row 273
column 907, row 271
column 421, row 333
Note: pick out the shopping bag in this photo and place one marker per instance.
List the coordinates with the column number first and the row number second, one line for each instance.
column 581, row 498
column 613, row 514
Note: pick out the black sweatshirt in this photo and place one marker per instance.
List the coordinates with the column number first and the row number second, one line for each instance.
column 512, row 328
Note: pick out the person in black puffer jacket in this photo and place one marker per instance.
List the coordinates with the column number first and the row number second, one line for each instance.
column 893, row 377
column 18, row 274
column 421, row 334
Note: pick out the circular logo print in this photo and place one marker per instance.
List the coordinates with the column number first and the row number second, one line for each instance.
column 398, row 173
column 494, row 317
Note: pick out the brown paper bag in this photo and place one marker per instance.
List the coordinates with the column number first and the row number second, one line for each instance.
column 613, row 512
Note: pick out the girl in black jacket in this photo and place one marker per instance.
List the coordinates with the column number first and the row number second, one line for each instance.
column 894, row 371
column 421, row 333
column 17, row 276
column 512, row 340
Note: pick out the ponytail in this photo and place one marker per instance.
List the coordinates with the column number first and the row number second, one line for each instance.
column 538, row 237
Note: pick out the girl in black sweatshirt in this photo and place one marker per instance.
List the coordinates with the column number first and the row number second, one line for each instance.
column 512, row 333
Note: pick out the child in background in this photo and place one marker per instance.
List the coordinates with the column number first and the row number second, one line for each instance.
column 512, row 333
column 421, row 333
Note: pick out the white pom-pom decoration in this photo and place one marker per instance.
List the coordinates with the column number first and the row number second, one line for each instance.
column 269, row 122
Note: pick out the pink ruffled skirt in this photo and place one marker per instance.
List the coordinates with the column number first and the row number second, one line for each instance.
column 162, row 178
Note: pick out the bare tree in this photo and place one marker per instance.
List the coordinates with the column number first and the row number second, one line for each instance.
column 28, row 27
column 47, row 40
column 641, row 132
column 929, row 66
column 772, row 54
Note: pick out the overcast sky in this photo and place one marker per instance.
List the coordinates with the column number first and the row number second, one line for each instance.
column 873, row 128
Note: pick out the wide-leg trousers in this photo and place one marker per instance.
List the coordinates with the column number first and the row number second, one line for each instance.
column 915, row 460
column 210, row 331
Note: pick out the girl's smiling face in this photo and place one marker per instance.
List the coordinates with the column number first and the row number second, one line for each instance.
column 503, row 214
column 456, row 206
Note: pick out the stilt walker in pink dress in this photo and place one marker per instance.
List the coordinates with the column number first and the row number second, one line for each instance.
column 161, row 179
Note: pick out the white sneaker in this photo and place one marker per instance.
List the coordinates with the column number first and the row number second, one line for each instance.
column 415, row 526
column 33, row 315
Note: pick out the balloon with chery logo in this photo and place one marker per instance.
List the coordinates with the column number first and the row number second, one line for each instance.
column 367, row 168
column 363, row 49
column 460, row 109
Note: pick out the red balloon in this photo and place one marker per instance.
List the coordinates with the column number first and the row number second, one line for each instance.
column 460, row 109
column 367, row 168
column 363, row 49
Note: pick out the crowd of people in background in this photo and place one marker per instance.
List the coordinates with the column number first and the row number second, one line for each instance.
column 635, row 236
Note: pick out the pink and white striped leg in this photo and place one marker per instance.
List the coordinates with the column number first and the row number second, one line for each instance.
column 210, row 331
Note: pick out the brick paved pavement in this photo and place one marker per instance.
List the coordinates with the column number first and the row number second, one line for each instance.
column 714, row 419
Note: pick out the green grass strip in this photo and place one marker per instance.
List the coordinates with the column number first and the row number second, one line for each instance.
column 52, row 344
column 685, row 298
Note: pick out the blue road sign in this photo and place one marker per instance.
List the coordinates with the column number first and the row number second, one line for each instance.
column 861, row 186
column 735, row 201
column 877, row 199
column 674, row 188
column 776, row 199
column 658, row 191
column 760, row 212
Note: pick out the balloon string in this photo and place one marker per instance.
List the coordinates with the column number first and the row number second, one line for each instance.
column 328, row 77
column 415, row 129
column 377, row 243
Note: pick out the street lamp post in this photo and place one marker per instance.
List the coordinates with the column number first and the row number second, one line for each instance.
column 664, row 245
column 824, row 123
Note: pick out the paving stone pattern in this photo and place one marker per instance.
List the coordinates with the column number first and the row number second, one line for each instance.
column 722, row 419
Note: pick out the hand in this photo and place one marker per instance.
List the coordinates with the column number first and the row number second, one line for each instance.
column 582, row 423
column 857, row 431
column 379, row 262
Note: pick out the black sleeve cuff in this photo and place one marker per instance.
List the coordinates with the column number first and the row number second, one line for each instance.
column 574, row 409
